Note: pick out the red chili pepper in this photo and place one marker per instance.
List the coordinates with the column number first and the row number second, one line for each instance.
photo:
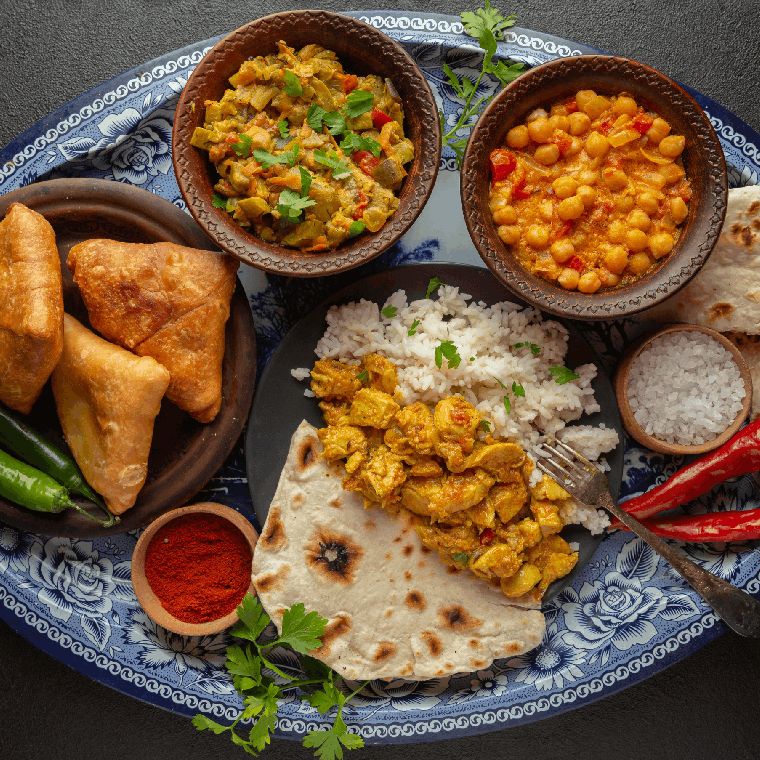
column 379, row 118
column 361, row 205
column 518, row 190
column 486, row 537
column 740, row 456
column 366, row 161
column 503, row 163
column 350, row 83
column 713, row 527
column 575, row 263
column 571, row 105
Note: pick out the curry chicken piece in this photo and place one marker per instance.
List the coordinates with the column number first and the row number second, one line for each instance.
column 333, row 379
column 448, row 540
column 508, row 500
column 498, row 459
column 412, row 432
column 379, row 477
column 381, row 373
column 335, row 412
column 554, row 558
column 456, row 421
column 342, row 442
column 438, row 498
column 372, row 408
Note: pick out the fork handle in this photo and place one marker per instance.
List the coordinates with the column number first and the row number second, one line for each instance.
column 736, row 608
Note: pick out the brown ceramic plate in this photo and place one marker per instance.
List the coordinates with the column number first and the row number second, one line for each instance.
column 703, row 160
column 362, row 50
column 185, row 453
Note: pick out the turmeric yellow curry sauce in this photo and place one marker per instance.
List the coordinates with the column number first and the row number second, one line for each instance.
column 469, row 491
column 307, row 155
column 591, row 195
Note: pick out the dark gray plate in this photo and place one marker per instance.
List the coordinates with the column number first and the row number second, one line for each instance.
column 279, row 405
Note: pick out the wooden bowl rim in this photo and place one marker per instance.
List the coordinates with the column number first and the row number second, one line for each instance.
column 277, row 259
column 148, row 599
column 664, row 447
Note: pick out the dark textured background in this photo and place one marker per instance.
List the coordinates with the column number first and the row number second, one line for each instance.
column 704, row 707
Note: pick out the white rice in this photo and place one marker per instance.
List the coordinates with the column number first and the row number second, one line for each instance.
column 685, row 388
column 485, row 337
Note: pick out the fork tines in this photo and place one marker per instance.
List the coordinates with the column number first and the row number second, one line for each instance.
column 575, row 467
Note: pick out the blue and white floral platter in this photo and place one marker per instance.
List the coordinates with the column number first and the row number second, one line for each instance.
column 627, row 615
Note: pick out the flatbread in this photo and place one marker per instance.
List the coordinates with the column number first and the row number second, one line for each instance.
column 395, row 610
column 725, row 294
column 749, row 345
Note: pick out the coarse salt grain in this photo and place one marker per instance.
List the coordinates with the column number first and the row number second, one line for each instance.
column 685, row 388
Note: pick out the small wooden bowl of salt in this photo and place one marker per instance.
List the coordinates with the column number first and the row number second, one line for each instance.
column 685, row 389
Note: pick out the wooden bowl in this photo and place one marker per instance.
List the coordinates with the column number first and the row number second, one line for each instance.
column 703, row 160
column 663, row 447
column 185, row 454
column 151, row 603
column 362, row 50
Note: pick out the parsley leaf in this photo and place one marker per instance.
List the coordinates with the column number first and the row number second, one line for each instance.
column 507, row 404
column 363, row 376
column 261, row 732
column 243, row 146
column 562, row 374
column 447, row 350
column 501, row 385
column 242, row 662
column 305, row 181
column 292, row 84
column 485, row 426
column 202, row 723
column 534, row 348
column 327, row 744
column 389, row 311
column 326, row 698
column 291, row 205
column 433, row 284
column 461, row 558
column 356, row 228
column 335, row 123
column 330, row 159
column 218, row 201
column 413, row 329
column 488, row 19
column 353, row 142
column 301, row 630
column 284, row 128
column 268, row 160
column 358, row 102
column 253, row 619
column 517, row 389
column 314, row 117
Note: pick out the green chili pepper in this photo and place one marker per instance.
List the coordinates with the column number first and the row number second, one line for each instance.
column 28, row 487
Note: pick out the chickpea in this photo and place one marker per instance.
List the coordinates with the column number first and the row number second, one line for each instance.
column 672, row 173
column 575, row 147
column 588, row 176
column 639, row 220
column 579, row 123
column 536, row 113
column 499, row 200
column 562, row 250
column 616, row 231
column 583, row 98
column 568, row 278
column 661, row 244
column 659, row 129
column 589, row 282
column 558, row 109
column 564, row 186
column 609, row 279
column 539, row 130
column 672, row 146
column 518, row 137
column 655, row 179
column 616, row 259
column 648, row 202
column 624, row 203
column 636, row 240
column 595, row 107
column 615, row 179
column 625, row 105
column 678, row 209
column 596, row 144
column 537, row 236
column 509, row 234
column 559, row 121
column 570, row 208
column 546, row 210
column 547, row 154
column 505, row 215
column 587, row 194
column 639, row 263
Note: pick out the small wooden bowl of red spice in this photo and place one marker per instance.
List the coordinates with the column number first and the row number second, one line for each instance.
column 191, row 568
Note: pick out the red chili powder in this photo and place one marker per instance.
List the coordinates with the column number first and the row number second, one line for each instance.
column 199, row 566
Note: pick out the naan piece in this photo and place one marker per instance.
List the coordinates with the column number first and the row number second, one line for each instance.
column 166, row 301
column 749, row 345
column 31, row 306
column 725, row 293
column 107, row 400
column 394, row 609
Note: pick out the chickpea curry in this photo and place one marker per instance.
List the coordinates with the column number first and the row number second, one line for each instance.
column 592, row 194
column 307, row 155
column 470, row 492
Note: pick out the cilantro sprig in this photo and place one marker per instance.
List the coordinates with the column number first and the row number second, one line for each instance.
column 413, row 329
column 291, row 205
column 535, row 349
column 268, row 160
column 389, row 312
column 250, row 667
column 293, row 86
column 243, row 146
column 433, row 284
column 562, row 375
column 487, row 25
column 446, row 349
column 353, row 142
column 358, row 102
column 330, row 159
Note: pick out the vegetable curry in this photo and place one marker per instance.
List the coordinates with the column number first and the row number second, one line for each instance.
column 470, row 492
column 591, row 194
column 307, row 154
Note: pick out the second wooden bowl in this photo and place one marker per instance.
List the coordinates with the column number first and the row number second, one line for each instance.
column 663, row 447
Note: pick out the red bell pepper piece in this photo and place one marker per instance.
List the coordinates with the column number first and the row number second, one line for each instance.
column 350, row 83
column 518, row 189
column 563, row 142
column 641, row 123
column 571, row 105
column 575, row 263
column 366, row 161
column 564, row 230
column 712, row 527
column 486, row 537
column 379, row 118
column 605, row 125
column 503, row 163
column 361, row 205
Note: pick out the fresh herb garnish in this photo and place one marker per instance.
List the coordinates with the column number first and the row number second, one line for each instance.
column 485, row 426
column 356, row 228
column 314, row 117
column 472, row 358
column 389, row 311
column 461, row 558
column 353, row 142
column 447, row 350
column 507, row 404
column 363, row 376
column 562, row 374
column 330, row 159
column 534, row 348
column 433, row 284
column 293, row 85
column 291, row 205
column 517, row 389
column 218, row 201
column 243, row 146
column 284, row 128
column 335, row 123
column 302, row 631
column 413, row 329
column 305, row 181
column 487, row 25
column 268, row 160
column 358, row 102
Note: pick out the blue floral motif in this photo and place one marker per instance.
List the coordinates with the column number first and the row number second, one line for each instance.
column 14, row 550
column 485, row 684
column 553, row 664
column 401, row 695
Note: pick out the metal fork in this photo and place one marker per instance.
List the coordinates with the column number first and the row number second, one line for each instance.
column 583, row 480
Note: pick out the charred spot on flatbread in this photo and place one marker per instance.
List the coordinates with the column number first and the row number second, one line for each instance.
column 407, row 550
column 433, row 643
column 425, row 550
column 273, row 536
column 306, row 454
column 336, row 502
column 478, row 663
column 415, row 600
column 456, row 618
column 473, row 644
column 270, row 581
column 720, row 311
column 338, row 626
column 333, row 556
column 407, row 575
column 753, row 207
column 384, row 650
column 298, row 499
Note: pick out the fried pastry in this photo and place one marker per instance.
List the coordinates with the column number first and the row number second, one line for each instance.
column 166, row 301
column 31, row 306
column 107, row 400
